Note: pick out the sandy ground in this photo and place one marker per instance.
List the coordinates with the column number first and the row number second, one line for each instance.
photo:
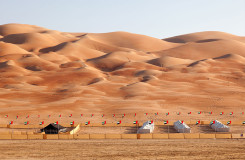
column 122, row 149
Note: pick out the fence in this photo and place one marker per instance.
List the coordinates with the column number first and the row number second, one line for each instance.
column 7, row 136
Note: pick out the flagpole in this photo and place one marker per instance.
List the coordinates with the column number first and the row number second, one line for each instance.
column 168, row 124
column 168, row 128
column 38, row 121
column 58, row 124
column 121, row 127
column 137, row 126
column 28, row 123
column 136, row 123
column 81, row 118
column 12, row 133
column 89, row 124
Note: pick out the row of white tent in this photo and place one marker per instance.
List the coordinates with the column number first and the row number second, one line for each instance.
column 182, row 127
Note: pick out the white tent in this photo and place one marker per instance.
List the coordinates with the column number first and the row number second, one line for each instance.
column 219, row 127
column 147, row 127
column 181, row 127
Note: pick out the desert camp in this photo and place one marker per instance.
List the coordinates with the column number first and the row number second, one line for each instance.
column 122, row 79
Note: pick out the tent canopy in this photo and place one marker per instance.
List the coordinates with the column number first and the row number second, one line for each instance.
column 52, row 128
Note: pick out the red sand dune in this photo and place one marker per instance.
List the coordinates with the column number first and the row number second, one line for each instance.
column 44, row 72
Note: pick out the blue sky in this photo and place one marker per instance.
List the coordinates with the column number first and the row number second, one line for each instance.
column 156, row 18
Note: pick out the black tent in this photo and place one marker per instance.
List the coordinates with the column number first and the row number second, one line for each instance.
column 52, row 128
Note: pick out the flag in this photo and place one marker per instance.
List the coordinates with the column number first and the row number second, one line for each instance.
column 26, row 123
column 87, row 123
column 210, row 112
column 56, row 122
column 167, row 114
column 11, row 122
column 119, row 122
column 81, row 115
column 102, row 115
column 178, row 113
column 156, row 114
column 199, row 112
column 135, row 122
column 221, row 113
column 189, row 112
column 92, row 115
column 41, row 123
column 229, row 122
column 198, row 122
column 182, row 122
column 150, row 122
column 212, row 122
column 70, row 115
column 113, row 115
column 49, row 116
column 60, row 115
column 6, row 116
column 165, row 122
column 146, row 114
column 123, row 115
column 72, row 123
column 135, row 114
column 231, row 113
column 17, row 117
column 103, row 123
column 27, row 116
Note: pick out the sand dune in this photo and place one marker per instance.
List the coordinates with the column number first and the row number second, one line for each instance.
column 8, row 49
column 73, row 51
column 167, row 61
column 201, row 37
column 115, row 60
column 45, row 71
column 234, row 57
column 34, row 41
column 92, row 43
column 133, row 41
column 198, row 51
column 19, row 28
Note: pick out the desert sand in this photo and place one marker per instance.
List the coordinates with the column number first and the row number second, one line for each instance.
column 47, row 72
column 122, row 149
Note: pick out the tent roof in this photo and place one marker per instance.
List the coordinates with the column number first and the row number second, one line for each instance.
column 56, row 126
